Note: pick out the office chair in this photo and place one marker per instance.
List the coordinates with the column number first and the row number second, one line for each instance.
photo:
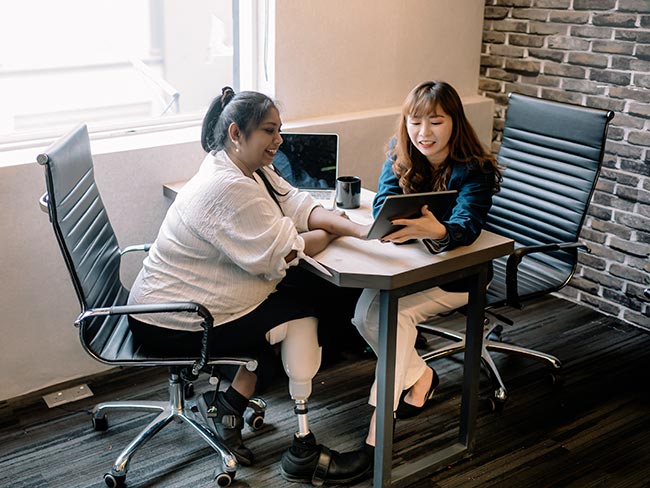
column 552, row 153
column 92, row 256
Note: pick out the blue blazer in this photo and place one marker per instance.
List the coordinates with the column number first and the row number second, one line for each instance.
column 466, row 219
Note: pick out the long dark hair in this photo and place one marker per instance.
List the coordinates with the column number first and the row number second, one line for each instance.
column 414, row 171
column 246, row 110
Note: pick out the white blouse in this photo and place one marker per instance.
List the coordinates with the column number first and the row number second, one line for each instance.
column 222, row 244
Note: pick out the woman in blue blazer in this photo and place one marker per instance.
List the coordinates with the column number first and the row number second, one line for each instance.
column 435, row 148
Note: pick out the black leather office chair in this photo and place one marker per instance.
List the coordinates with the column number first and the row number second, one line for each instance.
column 92, row 256
column 552, row 153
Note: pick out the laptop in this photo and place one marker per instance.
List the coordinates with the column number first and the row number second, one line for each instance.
column 309, row 161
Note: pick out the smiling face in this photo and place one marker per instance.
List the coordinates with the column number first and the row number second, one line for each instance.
column 430, row 134
column 259, row 148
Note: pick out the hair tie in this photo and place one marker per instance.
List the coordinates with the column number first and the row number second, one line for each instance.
column 227, row 94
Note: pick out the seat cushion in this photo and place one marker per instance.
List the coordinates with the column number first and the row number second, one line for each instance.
column 113, row 343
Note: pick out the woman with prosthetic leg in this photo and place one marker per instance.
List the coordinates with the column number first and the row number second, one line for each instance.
column 230, row 240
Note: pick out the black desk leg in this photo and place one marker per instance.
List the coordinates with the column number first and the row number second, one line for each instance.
column 472, row 359
column 388, row 307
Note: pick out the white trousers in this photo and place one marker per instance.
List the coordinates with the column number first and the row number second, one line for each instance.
column 413, row 309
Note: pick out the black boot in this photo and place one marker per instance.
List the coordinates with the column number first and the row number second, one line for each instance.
column 308, row 462
column 226, row 422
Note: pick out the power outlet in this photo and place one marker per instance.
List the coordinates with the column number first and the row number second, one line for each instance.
column 68, row 395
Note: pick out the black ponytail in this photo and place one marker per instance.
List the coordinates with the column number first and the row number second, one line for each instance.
column 245, row 109
column 212, row 116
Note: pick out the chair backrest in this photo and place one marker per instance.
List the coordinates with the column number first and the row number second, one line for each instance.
column 82, row 228
column 552, row 153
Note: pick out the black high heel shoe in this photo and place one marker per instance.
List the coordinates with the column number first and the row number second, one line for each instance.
column 407, row 411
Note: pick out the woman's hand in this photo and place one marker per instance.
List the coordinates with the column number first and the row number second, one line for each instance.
column 363, row 231
column 336, row 222
column 339, row 213
column 426, row 226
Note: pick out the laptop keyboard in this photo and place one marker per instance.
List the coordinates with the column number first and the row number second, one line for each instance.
column 321, row 194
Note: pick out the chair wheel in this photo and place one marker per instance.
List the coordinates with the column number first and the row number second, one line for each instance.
column 556, row 379
column 496, row 334
column 224, row 479
column 495, row 405
column 100, row 424
column 115, row 481
column 498, row 406
column 254, row 415
column 500, row 394
column 495, row 337
column 254, row 419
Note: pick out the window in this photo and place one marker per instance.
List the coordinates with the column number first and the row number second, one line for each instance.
column 123, row 63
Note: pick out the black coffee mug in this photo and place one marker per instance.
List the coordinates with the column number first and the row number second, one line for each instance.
column 348, row 192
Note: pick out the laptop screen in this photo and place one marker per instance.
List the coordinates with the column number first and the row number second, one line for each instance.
column 308, row 160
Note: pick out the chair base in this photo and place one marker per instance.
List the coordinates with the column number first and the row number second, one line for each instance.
column 176, row 409
column 500, row 394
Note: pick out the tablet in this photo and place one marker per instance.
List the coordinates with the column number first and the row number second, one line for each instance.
column 408, row 206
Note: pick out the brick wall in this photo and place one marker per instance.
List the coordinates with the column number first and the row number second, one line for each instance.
column 594, row 53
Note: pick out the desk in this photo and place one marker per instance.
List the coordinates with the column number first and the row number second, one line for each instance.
column 399, row 271
column 170, row 190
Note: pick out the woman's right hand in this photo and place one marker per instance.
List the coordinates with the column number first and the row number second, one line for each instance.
column 363, row 231
column 426, row 226
column 336, row 222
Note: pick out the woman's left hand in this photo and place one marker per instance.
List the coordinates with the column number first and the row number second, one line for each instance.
column 426, row 226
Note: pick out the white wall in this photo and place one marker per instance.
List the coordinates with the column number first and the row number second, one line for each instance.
column 344, row 56
column 341, row 65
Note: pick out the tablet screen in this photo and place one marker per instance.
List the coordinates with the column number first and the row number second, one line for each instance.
column 408, row 206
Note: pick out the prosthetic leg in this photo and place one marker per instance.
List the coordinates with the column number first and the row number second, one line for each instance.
column 306, row 461
column 301, row 358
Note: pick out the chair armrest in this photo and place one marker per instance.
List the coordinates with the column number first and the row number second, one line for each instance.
column 194, row 307
column 44, row 201
column 512, row 265
column 138, row 247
